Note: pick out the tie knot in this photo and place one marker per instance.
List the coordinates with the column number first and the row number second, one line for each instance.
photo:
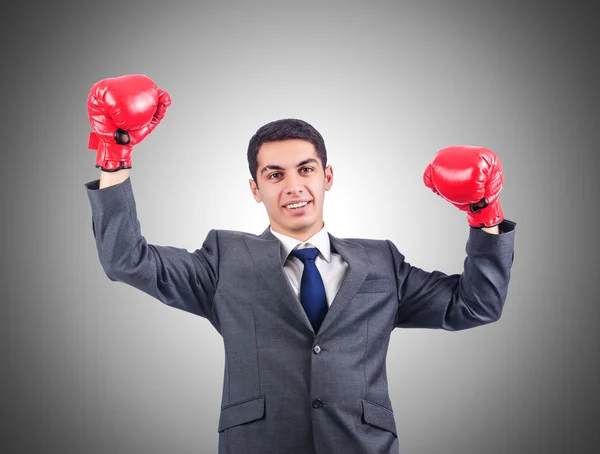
column 309, row 253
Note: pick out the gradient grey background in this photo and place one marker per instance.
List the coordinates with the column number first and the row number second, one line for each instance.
column 90, row 366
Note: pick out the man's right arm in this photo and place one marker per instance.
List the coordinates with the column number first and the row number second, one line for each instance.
column 174, row 276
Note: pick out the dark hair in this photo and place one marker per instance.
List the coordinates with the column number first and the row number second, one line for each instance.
column 289, row 128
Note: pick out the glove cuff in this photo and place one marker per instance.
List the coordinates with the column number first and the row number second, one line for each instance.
column 110, row 157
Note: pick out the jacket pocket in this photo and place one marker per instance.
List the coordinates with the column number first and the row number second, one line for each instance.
column 241, row 412
column 379, row 416
column 375, row 286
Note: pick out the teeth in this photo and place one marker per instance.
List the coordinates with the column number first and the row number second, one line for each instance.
column 296, row 205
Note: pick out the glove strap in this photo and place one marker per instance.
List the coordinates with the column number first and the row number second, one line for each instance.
column 489, row 216
column 93, row 141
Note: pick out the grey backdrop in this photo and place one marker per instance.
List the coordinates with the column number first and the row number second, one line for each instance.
column 91, row 366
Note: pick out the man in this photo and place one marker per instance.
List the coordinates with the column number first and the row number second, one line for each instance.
column 305, row 317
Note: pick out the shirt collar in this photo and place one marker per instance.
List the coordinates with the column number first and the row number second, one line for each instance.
column 320, row 240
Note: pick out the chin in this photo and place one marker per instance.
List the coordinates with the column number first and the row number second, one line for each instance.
column 297, row 226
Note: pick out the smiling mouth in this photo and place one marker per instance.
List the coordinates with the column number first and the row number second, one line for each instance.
column 295, row 206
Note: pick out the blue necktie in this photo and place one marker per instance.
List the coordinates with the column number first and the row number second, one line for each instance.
column 312, row 290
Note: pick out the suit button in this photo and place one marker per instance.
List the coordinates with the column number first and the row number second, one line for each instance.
column 317, row 403
column 317, row 349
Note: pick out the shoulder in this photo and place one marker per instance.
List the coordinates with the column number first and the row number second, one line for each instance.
column 222, row 233
column 233, row 236
column 367, row 242
column 371, row 246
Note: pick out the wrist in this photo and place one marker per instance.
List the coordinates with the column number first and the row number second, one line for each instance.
column 111, row 178
column 493, row 230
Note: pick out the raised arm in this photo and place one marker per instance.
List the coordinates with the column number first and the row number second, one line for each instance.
column 470, row 178
column 458, row 301
column 123, row 111
column 182, row 279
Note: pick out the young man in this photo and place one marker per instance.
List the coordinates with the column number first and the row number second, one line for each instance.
column 305, row 317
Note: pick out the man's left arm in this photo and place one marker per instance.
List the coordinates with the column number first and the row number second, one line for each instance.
column 458, row 301
column 470, row 178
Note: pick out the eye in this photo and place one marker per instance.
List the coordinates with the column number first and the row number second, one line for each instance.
column 308, row 169
column 274, row 175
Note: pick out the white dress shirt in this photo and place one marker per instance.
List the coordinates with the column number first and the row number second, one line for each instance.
column 331, row 266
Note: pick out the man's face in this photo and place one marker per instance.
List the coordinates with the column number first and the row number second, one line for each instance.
column 290, row 173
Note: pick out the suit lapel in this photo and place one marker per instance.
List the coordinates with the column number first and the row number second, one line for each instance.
column 265, row 251
column 358, row 268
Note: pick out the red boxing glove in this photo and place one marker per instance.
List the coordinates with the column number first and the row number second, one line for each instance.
column 123, row 111
column 471, row 179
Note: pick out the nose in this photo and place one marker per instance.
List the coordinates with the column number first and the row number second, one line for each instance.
column 294, row 184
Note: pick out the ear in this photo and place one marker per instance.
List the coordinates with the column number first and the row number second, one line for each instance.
column 328, row 177
column 254, row 190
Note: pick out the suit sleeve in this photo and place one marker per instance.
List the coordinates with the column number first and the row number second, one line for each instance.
column 174, row 276
column 458, row 301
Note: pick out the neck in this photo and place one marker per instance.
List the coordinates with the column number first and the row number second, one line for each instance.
column 300, row 235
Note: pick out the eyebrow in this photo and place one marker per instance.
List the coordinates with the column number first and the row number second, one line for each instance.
column 278, row 167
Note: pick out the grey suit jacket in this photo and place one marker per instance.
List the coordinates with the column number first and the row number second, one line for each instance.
column 286, row 388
